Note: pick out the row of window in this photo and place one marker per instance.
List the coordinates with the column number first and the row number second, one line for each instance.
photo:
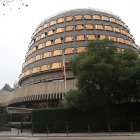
column 47, row 67
column 78, row 38
column 53, row 54
column 79, row 17
column 80, row 27
column 56, row 65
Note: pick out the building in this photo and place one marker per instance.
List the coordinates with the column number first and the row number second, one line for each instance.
column 62, row 36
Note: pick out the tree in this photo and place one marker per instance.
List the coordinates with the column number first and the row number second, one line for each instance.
column 16, row 85
column 4, row 4
column 6, row 87
column 105, row 75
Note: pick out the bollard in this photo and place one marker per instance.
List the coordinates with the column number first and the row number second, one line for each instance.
column 47, row 130
column 89, row 129
column 109, row 130
column 131, row 124
column 67, row 130
column 32, row 129
column 18, row 130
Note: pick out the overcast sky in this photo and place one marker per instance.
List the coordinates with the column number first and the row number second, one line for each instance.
column 17, row 26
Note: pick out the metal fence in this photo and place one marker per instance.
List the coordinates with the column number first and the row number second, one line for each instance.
column 68, row 129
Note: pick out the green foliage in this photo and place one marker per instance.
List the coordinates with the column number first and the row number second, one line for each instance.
column 56, row 120
column 76, row 100
column 105, row 76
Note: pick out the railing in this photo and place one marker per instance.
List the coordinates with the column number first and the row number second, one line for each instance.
column 94, row 9
column 71, row 129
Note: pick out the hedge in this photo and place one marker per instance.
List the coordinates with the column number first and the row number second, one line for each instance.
column 119, row 117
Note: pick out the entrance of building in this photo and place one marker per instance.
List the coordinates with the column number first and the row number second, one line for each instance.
column 17, row 118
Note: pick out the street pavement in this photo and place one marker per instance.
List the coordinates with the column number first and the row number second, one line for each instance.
column 132, row 137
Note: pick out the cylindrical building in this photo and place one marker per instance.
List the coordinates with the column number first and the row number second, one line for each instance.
column 64, row 35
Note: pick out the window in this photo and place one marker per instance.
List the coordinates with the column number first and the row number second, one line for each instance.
column 45, row 67
column 128, row 42
column 89, row 26
column 36, row 69
column 59, row 30
column 97, row 17
column 70, row 18
column 37, row 38
column 101, row 37
column 34, row 49
column 78, row 17
column 58, row 40
column 113, row 20
column 67, row 65
column 119, row 22
column 87, row 17
column 124, row 32
column 121, row 40
column 91, row 37
column 69, row 28
column 120, row 50
column 68, row 39
column 80, row 37
column 57, row 52
column 52, row 22
column 108, row 28
column 38, row 57
column 117, row 30
column 105, row 18
column 48, row 43
column 39, row 29
column 43, row 35
column 79, row 27
column 32, row 59
column 51, row 32
column 99, row 27
column 47, row 54
column 46, row 25
column 112, row 38
column 69, row 50
column 80, row 49
column 56, row 65
column 40, row 46
column 60, row 20
column 27, row 72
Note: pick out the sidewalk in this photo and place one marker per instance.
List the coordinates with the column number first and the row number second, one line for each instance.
column 15, row 133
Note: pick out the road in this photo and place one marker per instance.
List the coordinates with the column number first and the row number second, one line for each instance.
column 74, row 138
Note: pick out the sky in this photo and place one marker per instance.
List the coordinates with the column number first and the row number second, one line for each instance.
column 18, row 24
